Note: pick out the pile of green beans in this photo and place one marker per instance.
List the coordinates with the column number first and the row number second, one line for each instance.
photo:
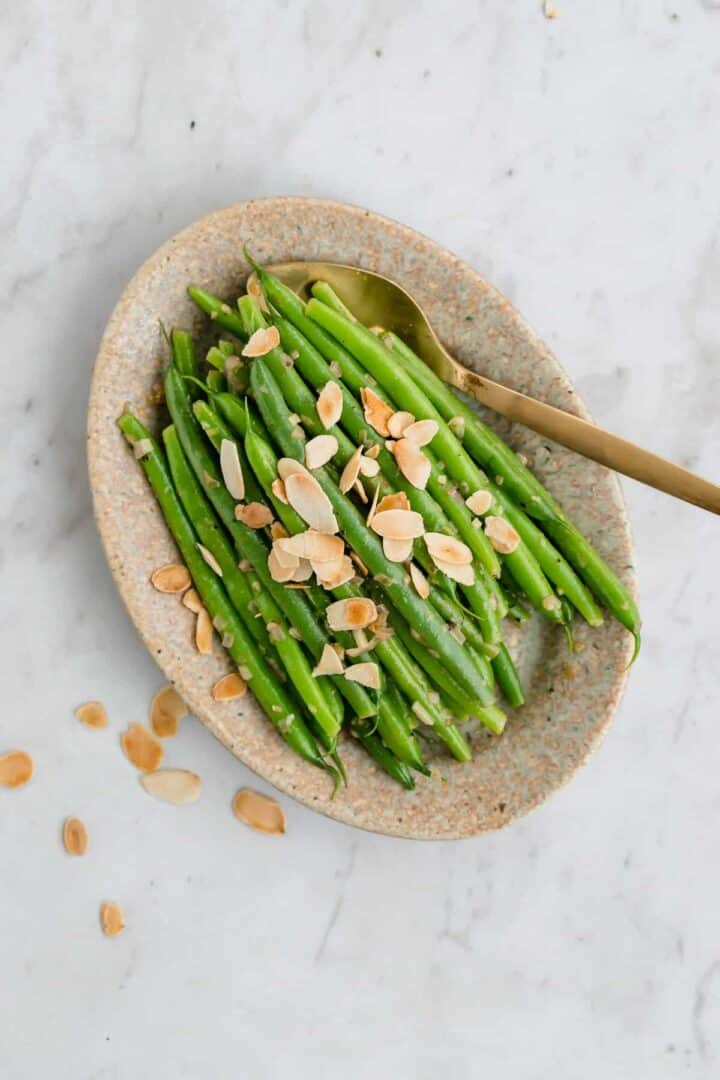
column 441, row 659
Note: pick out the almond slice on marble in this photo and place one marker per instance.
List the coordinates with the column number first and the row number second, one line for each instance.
column 259, row 812
column 351, row 472
column 112, row 919
column 262, row 341
column 309, row 500
column 461, row 572
column 398, row 422
column 413, row 464
column 314, row 545
column 447, row 548
column 231, row 469
column 16, row 768
column 178, row 786
column 255, row 515
column 166, row 711
column 330, row 405
column 281, row 566
column 143, row 749
column 353, row 614
column 173, row 578
column 288, row 466
column 204, row 633
column 398, row 524
column 210, row 560
column 421, row 432
column 320, row 450
column 333, row 575
column 369, row 466
column 397, row 550
column 366, row 674
column 329, row 662
column 75, row 836
column 420, row 582
column 278, row 489
column 479, row 502
column 501, row 535
column 229, row 687
column 192, row 601
column 377, row 413
column 397, row 501
column 93, row 714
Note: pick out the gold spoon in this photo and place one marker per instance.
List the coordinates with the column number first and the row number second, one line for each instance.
column 378, row 301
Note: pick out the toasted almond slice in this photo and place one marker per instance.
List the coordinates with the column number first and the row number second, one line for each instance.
column 309, row 500
column 501, row 535
column 143, row 749
column 255, row 515
column 304, row 571
column 210, row 560
column 479, row 502
column 374, row 452
column 232, row 469
column 16, row 768
column 288, row 466
column 288, row 560
column 112, row 919
column 360, row 489
column 178, row 786
column 369, row 467
column 330, row 405
column 320, row 450
column 422, row 586
column 397, row 501
column 262, row 341
column 278, row 489
column 398, row 422
column 333, row 575
column 192, row 601
column 461, row 572
column 353, row 614
column 398, row 524
column 278, row 530
column 229, row 687
column 203, row 633
column 362, row 568
column 377, row 413
column 397, row 550
column 93, row 713
column 447, row 549
column 311, row 544
column 166, row 711
column 421, row 432
column 259, row 812
column 254, row 289
column 281, row 566
column 173, row 578
column 75, row 837
column 329, row 663
column 373, row 505
column 413, row 464
column 367, row 674
column 351, row 471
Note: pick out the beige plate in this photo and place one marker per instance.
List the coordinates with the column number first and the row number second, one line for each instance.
column 571, row 697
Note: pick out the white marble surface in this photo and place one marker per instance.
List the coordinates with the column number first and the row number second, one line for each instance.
column 574, row 162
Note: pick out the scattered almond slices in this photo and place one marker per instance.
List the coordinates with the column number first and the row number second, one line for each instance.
column 397, row 550
column 262, row 341
column 501, row 535
column 173, row 578
column 210, row 560
column 259, row 812
column 330, row 405
column 229, row 687
column 281, row 566
column 255, row 515
column 351, row 472
column 314, row 545
column 420, row 582
column 278, row 489
column 421, row 432
column 398, row 524
column 333, row 575
column 479, row 502
column 413, row 464
column 447, row 549
column 192, row 600
column 398, row 422
column 177, row 786
column 288, row 466
column 112, row 919
column 397, row 501
column 329, row 662
column 309, row 500
column 377, row 413
column 166, row 711
column 320, row 450
column 143, row 749
column 232, row 469
column 353, row 614
column 203, row 633
column 16, row 768
column 93, row 714
column 461, row 572
column 369, row 467
column 366, row 674
column 75, row 836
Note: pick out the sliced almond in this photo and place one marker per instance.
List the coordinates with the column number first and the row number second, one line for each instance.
column 413, row 464
column 281, row 566
column 278, row 489
column 368, row 467
column 479, row 502
column 278, row 531
column 210, row 560
column 448, row 549
column 422, row 586
column 374, row 452
column 330, row 405
column 398, row 524
column 309, row 500
column 255, row 515
column 303, row 572
column 461, row 572
column 373, row 505
column 229, row 687
column 351, row 471
column 173, row 578
column 143, row 749
column 320, row 450
column 397, row 550
column 93, row 714
column 362, row 568
column 398, row 422
column 377, row 413
column 254, row 289
column 112, row 919
column 262, row 341
column 178, row 786
column 16, row 768
column 192, row 601
column 314, row 545
column 367, row 674
column 501, row 535
column 288, row 466
column 203, row 633
column 259, row 812
column 329, row 662
column 352, row 614
column 75, row 837
column 397, row 501
column 166, row 711
column 421, row 432
column 333, row 575
column 232, row 469
column 359, row 488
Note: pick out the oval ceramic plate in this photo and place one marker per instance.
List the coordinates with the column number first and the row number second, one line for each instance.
column 571, row 696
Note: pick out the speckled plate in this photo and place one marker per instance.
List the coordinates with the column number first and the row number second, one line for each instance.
column 571, row 697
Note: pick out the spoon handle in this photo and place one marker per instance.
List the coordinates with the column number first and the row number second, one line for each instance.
column 591, row 441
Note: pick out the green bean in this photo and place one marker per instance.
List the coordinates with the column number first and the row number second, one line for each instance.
column 385, row 758
column 183, row 355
